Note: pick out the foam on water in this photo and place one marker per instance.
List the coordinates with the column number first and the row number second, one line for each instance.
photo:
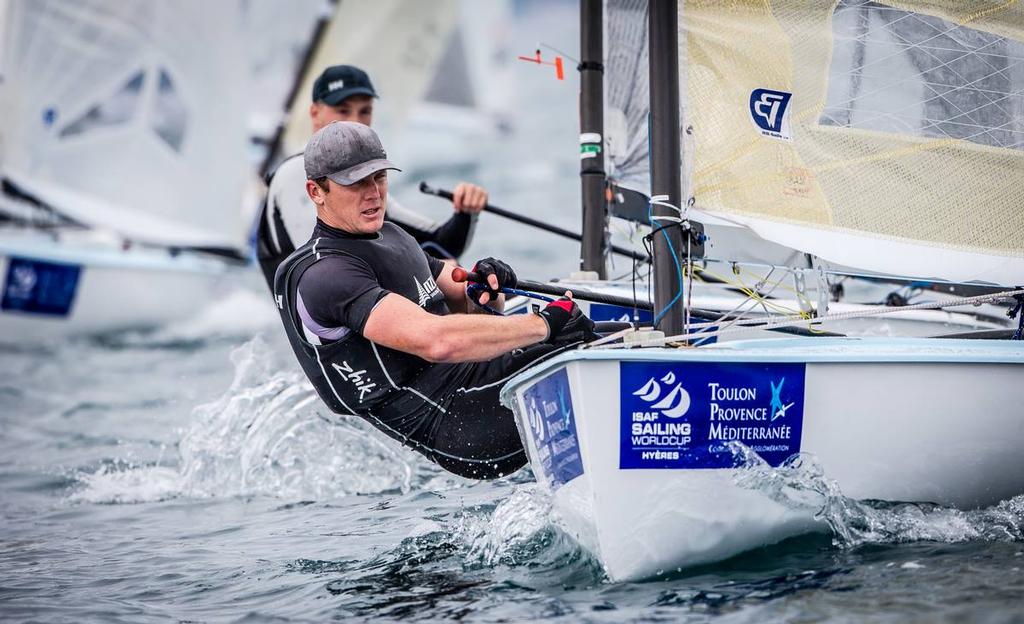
column 268, row 435
column 801, row 483
column 116, row 484
column 507, row 533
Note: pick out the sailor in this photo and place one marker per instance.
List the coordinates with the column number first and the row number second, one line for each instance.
column 345, row 93
column 384, row 331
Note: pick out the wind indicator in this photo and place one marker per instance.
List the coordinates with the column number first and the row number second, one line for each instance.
column 557, row 63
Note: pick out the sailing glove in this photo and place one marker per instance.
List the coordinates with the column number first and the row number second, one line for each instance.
column 567, row 323
column 492, row 266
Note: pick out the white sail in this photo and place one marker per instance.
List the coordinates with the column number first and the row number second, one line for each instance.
column 130, row 115
column 397, row 43
column 278, row 35
column 882, row 136
column 474, row 75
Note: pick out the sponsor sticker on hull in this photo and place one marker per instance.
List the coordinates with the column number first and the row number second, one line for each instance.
column 682, row 415
column 37, row 287
column 606, row 312
column 552, row 426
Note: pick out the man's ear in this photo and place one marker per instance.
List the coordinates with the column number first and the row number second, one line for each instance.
column 314, row 111
column 316, row 194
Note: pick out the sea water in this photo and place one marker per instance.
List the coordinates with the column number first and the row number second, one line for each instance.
column 189, row 473
column 166, row 476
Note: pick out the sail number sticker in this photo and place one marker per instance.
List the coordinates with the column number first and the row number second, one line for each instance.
column 682, row 415
column 553, row 428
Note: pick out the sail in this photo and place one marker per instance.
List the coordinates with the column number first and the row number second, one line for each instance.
column 397, row 43
column 626, row 94
column 626, row 108
column 278, row 34
column 474, row 74
column 883, row 136
column 129, row 115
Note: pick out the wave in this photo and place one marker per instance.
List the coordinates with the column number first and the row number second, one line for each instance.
column 269, row 434
column 801, row 483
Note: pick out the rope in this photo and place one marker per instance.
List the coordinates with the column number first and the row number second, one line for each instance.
column 759, row 324
column 1018, row 311
column 662, row 200
column 473, row 290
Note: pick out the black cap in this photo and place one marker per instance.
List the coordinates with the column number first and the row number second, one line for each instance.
column 339, row 82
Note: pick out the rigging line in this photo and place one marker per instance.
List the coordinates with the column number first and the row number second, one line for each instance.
column 660, row 200
column 689, row 287
column 745, row 290
column 636, row 315
column 556, row 50
column 609, row 338
column 753, row 293
column 736, row 310
column 756, row 298
column 771, row 324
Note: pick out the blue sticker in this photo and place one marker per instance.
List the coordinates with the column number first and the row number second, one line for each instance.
column 681, row 415
column 605, row 312
column 38, row 287
column 553, row 427
column 769, row 111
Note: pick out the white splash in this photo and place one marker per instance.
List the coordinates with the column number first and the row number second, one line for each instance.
column 127, row 484
column 268, row 435
column 516, row 521
column 800, row 483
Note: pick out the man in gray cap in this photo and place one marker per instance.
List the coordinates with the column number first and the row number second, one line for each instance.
column 345, row 93
column 382, row 330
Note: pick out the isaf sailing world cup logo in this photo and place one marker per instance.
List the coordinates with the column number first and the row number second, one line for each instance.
column 673, row 404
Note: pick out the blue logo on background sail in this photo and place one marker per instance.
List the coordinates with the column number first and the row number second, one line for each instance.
column 769, row 111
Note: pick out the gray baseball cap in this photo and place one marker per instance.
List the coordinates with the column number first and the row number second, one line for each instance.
column 346, row 152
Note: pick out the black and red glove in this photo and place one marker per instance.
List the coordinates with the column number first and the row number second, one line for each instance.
column 492, row 266
column 567, row 323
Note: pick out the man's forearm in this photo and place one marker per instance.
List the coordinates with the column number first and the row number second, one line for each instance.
column 474, row 337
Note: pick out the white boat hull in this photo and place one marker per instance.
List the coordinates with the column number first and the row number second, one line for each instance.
column 107, row 288
column 935, row 421
column 719, row 299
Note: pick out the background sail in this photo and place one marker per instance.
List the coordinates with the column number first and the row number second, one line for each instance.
column 627, row 96
column 888, row 137
column 130, row 115
column 397, row 43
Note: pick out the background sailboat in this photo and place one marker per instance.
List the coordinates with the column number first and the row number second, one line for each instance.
column 415, row 36
column 124, row 162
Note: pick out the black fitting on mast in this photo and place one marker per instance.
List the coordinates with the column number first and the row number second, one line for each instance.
column 592, row 175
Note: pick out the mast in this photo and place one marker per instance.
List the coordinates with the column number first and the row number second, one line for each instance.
column 274, row 146
column 666, row 166
column 592, row 178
